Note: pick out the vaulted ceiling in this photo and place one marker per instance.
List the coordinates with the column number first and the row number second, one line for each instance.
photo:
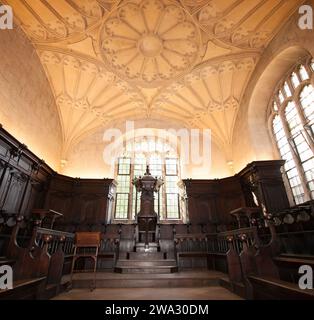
column 187, row 61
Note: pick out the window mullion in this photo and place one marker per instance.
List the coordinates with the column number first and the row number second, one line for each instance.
column 164, row 197
column 130, row 213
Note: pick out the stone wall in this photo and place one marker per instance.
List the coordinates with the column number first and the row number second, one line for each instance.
column 27, row 105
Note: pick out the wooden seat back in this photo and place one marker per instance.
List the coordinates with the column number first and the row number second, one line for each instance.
column 87, row 239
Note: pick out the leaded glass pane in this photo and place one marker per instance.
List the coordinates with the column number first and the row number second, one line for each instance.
column 172, row 206
column 303, row 73
column 171, row 167
column 287, row 90
column 295, row 80
column 123, row 184
column 281, row 96
column 307, row 103
column 122, row 206
column 124, row 166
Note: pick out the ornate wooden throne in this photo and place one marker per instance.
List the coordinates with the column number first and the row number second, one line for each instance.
column 147, row 218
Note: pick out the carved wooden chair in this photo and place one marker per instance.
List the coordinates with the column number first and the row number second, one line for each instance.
column 87, row 245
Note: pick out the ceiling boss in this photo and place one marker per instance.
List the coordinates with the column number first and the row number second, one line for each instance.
column 150, row 42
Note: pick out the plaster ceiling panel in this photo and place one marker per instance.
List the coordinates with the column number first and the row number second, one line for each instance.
column 87, row 95
column 209, row 96
column 149, row 42
column 244, row 24
column 279, row 14
column 49, row 21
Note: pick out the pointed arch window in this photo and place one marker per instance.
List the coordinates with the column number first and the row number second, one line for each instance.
column 292, row 114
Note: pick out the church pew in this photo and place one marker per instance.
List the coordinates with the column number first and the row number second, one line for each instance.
column 59, row 249
column 191, row 250
column 195, row 228
column 28, row 273
column 127, row 238
column 24, row 290
column 268, row 288
column 289, row 264
column 166, row 239
column 109, row 250
column 41, row 262
column 262, row 267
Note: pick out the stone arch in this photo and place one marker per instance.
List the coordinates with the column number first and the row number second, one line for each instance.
column 268, row 73
column 272, row 71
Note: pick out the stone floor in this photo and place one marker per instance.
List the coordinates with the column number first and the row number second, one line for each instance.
column 203, row 293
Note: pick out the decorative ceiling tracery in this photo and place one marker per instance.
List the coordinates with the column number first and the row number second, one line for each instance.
column 150, row 42
column 184, row 60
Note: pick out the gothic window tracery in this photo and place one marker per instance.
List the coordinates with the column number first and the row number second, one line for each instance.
column 292, row 122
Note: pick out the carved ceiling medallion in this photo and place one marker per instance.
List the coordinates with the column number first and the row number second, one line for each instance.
column 150, row 42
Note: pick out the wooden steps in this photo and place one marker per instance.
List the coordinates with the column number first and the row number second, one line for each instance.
column 151, row 269
column 146, row 263
column 146, row 255
column 186, row 279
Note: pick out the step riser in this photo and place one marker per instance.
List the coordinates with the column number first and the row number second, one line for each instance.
column 139, row 263
column 149, row 283
column 154, row 270
column 146, row 256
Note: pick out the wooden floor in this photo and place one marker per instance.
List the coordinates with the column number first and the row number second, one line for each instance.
column 202, row 293
column 184, row 285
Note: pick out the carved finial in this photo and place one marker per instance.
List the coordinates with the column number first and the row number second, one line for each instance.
column 147, row 173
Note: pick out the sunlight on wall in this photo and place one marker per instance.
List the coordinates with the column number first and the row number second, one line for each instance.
column 27, row 105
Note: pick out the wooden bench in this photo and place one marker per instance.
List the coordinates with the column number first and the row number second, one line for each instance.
column 296, row 259
column 267, row 288
column 289, row 264
column 4, row 261
column 29, row 289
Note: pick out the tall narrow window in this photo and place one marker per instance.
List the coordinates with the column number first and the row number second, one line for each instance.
column 293, row 129
column 172, row 190
column 123, row 188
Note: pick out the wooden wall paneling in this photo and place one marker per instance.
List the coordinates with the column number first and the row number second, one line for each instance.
column 210, row 201
column 83, row 202
column 20, row 170
column 15, row 187
column 265, row 179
